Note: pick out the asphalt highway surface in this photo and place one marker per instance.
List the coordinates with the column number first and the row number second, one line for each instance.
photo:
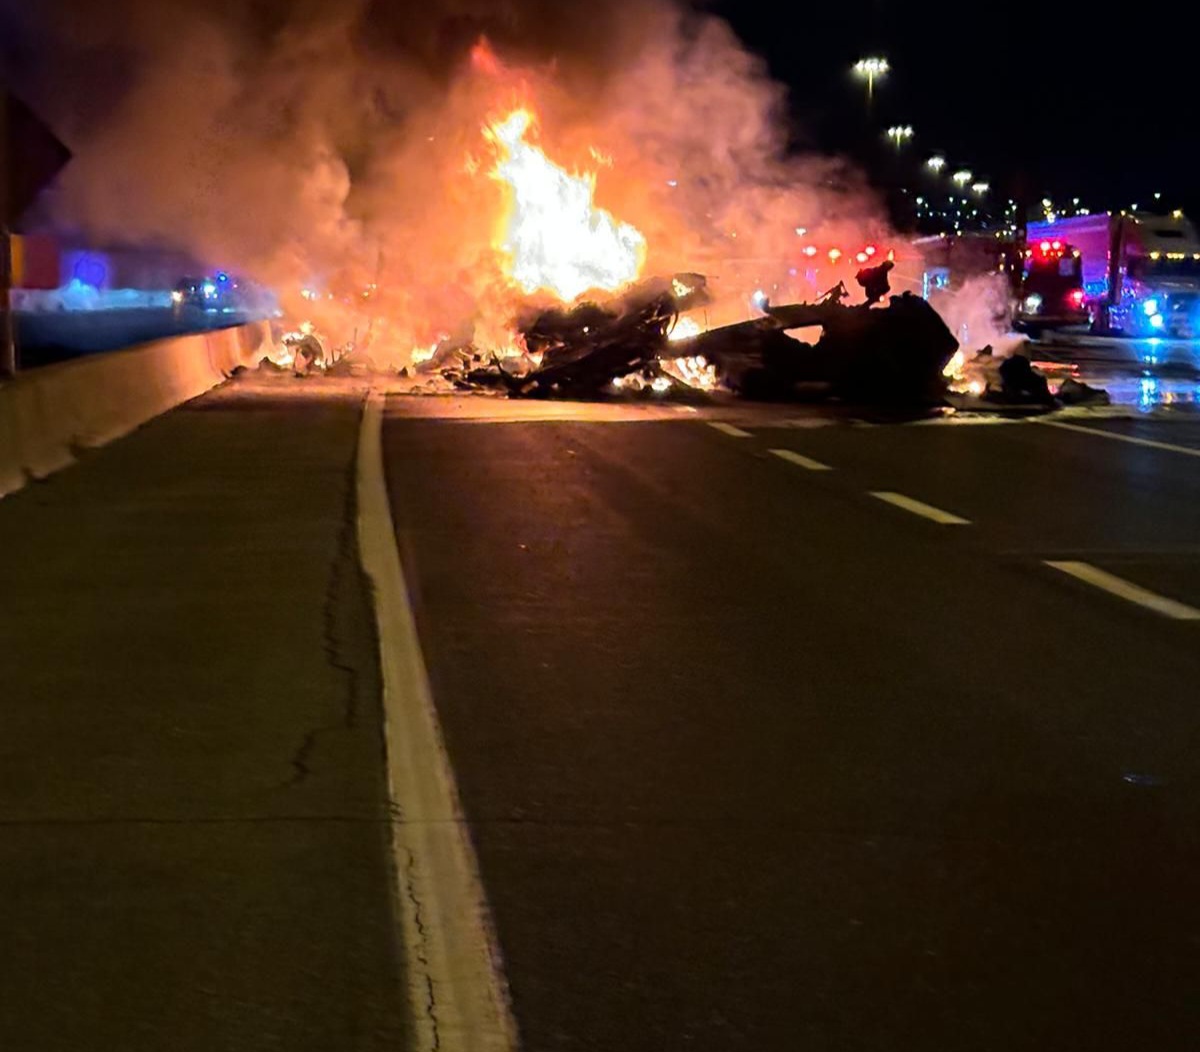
column 773, row 728
column 193, row 821
column 787, row 734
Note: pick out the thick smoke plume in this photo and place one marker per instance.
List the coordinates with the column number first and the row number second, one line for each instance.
column 979, row 313
column 336, row 145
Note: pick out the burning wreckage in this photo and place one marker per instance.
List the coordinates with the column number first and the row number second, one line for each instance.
column 551, row 243
column 642, row 342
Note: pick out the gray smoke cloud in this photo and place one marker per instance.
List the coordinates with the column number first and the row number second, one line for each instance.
column 338, row 145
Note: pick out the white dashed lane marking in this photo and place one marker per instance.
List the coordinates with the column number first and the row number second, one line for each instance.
column 728, row 429
column 926, row 511
column 800, row 460
column 1126, row 590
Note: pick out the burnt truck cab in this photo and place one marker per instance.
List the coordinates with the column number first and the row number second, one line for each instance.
column 1051, row 294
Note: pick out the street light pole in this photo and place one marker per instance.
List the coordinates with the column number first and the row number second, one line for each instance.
column 869, row 69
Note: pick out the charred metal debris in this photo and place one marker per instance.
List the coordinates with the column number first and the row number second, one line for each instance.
column 896, row 355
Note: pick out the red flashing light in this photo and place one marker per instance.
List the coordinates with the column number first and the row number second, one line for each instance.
column 1076, row 298
column 1051, row 250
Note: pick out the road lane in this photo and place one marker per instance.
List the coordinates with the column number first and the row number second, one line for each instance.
column 193, row 818
column 753, row 761
column 1181, row 433
column 1026, row 487
column 1054, row 494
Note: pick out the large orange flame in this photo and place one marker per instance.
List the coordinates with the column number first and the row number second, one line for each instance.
column 553, row 237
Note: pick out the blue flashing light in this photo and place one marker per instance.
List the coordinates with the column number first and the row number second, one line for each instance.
column 1150, row 308
column 222, row 277
column 209, row 289
column 89, row 268
column 1157, row 321
column 1148, row 394
column 931, row 280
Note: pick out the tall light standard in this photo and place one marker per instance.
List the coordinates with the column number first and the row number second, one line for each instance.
column 961, row 178
column 900, row 134
column 869, row 69
column 936, row 163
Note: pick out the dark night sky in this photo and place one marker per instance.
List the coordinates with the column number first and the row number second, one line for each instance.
column 1036, row 98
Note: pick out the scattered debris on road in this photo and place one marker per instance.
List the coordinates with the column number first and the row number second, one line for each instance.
column 646, row 342
column 1013, row 381
column 632, row 345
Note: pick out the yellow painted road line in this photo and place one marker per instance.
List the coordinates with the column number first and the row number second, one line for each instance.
column 458, row 997
column 1126, row 590
column 728, row 429
column 926, row 511
column 799, row 460
column 1149, row 443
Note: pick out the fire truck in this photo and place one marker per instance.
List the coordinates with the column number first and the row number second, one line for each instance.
column 1139, row 273
column 1051, row 293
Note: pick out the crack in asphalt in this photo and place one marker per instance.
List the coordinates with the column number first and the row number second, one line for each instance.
column 344, row 563
column 422, row 956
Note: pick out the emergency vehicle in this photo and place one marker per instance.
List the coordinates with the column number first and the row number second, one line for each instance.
column 1051, row 293
column 1140, row 273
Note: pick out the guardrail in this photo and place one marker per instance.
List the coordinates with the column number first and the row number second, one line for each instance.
column 49, row 414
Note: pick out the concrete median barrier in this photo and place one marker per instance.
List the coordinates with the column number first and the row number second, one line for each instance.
column 48, row 414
